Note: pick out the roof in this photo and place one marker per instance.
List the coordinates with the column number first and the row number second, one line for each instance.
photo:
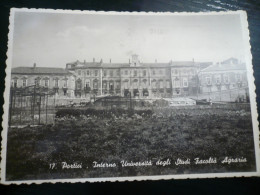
column 79, row 65
column 224, row 67
column 39, row 70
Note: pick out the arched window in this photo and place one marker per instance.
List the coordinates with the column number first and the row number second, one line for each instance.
column 135, row 84
column 117, row 84
column 87, row 83
column 111, row 85
column 95, row 84
column 104, row 83
column 144, row 83
column 126, row 84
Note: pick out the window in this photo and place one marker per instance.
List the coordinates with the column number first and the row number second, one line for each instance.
column 111, row 85
column 144, row 83
column 56, row 83
column 126, row 84
column 208, row 80
column 15, row 83
column 135, row 73
column 144, row 72
column 218, row 80
column 78, row 84
column 126, row 72
column 135, row 84
column 87, row 72
column 65, row 84
column 117, row 84
column 185, row 82
column 96, row 72
column 239, row 78
column 161, row 84
column 153, row 72
column 226, row 79
column 37, row 81
column 87, row 84
column 105, row 73
column 118, row 72
column 24, row 82
column 111, row 73
column 104, row 85
column 95, row 84
column 46, row 83
column 160, row 71
column 176, row 71
column 177, row 82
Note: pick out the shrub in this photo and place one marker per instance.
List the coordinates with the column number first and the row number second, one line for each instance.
column 104, row 113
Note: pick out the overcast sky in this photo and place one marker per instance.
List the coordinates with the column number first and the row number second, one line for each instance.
column 55, row 39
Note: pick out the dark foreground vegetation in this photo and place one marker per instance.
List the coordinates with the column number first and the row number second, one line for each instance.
column 110, row 136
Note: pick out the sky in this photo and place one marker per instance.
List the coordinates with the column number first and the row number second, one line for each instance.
column 54, row 39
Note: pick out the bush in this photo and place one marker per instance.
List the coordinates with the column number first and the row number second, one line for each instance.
column 102, row 113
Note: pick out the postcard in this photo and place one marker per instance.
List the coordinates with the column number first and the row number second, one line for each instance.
column 122, row 96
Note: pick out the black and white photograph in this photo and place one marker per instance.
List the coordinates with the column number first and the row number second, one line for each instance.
column 120, row 96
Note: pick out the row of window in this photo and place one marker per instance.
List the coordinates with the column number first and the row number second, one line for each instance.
column 112, row 73
column 177, row 82
column 226, row 80
column 126, row 84
column 37, row 81
column 183, row 71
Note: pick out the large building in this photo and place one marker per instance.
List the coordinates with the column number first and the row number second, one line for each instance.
column 141, row 80
column 138, row 80
column 58, row 79
column 225, row 80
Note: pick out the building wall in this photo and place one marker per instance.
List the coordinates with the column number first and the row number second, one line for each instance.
column 64, row 85
column 232, row 83
column 142, row 82
column 182, row 80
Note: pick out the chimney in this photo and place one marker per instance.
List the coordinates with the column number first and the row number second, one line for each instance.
column 93, row 59
column 34, row 65
column 110, row 60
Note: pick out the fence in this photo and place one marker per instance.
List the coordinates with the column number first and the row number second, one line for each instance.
column 31, row 105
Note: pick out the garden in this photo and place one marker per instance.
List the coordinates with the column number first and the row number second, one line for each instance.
column 84, row 136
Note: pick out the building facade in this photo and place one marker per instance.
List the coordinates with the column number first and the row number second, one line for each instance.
column 226, row 80
column 140, row 80
column 61, row 81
